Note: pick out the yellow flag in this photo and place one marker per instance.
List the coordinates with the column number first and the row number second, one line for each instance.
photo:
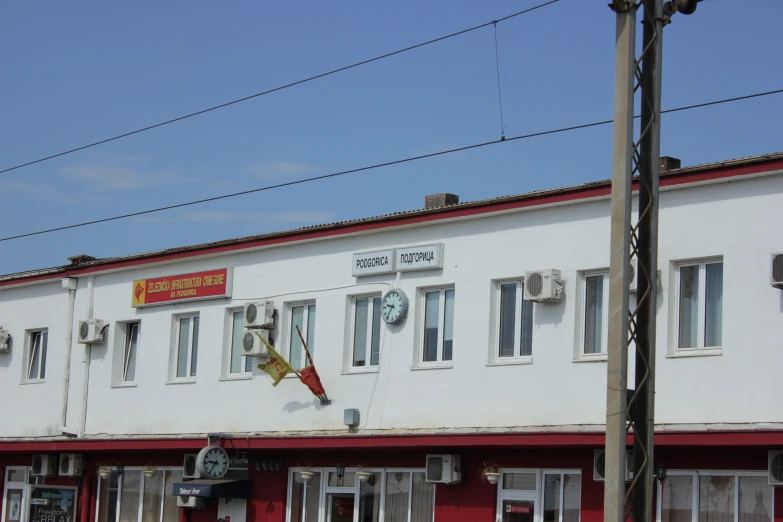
column 277, row 367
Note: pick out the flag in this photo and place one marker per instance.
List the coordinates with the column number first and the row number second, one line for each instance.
column 309, row 378
column 277, row 367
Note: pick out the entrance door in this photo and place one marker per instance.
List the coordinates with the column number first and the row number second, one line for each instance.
column 340, row 507
column 232, row 509
column 518, row 510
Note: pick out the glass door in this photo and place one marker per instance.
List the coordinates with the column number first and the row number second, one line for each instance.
column 518, row 510
column 14, row 494
column 340, row 507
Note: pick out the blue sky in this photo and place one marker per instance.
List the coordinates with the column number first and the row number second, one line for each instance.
column 76, row 73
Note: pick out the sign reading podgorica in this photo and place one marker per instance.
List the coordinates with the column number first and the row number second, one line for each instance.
column 210, row 284
column 422, row 257
column 369, row 263
column 52, row 504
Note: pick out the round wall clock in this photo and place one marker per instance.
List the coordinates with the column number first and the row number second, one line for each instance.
column 394, row 306
column 212, row 462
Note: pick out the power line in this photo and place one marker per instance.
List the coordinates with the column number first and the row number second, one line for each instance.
column 280, row 88
column 377, row 165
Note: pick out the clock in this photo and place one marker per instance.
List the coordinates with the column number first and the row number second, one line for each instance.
column 394, row 306
column 212, row 462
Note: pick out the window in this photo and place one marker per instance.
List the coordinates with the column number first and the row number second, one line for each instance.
column 129, row 353
column 438, row 325
column 303, row 317
column 700, row 305
column 539, row 495
column 238, row 364
column 15, row 491
column 595, row 314
column 366, row 346
column 391, row 495
column 36, row 355
column 694, row 496
column 134, row 497
column 187, row 347
column 515, row 323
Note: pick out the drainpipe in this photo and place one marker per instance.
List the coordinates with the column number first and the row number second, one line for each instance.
column 68, row 283
column 86, row 360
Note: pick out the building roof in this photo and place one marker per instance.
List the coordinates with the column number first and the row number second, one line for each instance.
column 686, row 175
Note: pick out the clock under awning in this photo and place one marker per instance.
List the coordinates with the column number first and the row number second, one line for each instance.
column 214, row 488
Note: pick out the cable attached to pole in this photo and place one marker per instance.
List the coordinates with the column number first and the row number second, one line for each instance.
column 497, row 70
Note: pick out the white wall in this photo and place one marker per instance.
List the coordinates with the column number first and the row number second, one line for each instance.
column 736, row 220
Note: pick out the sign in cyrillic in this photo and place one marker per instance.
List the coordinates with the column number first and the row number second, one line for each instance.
column 369, row 263
column 52, row 504
column 510, row 508
column 210, row 284
column 422, row 257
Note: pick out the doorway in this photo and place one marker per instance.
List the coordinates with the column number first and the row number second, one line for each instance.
column 340, row 507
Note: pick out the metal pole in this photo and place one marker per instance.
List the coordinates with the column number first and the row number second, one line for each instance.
column 617, row 368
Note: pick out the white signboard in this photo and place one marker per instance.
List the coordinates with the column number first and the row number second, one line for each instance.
column 422, row 257
column 369, row 263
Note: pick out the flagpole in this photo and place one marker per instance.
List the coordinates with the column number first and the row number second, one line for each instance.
column 324, row 399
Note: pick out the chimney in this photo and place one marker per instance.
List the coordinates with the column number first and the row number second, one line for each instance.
column 440, row 200
column 80, row 259
column 669, row 163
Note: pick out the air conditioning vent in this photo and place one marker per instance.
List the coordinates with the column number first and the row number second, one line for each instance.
column 775, row 468
column 44, row 466
column 189, row 501
column 543, row 286
column 252, row 346
column 91, row 331
column 599, row 465
column 260, row 314
column 443, row 469
column 777, row 271
column 189, row 467
column 71, row 465
column 5, row 341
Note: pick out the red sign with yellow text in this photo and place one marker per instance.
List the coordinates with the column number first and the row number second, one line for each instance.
column 184, row 287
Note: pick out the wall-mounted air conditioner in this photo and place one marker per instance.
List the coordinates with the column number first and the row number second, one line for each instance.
column 775, row 468
column 189, row 501
column 542, row 286
column 776, row 271
column 599, row 465
column 91, row 331
column 633, row 287
column 5, row 341
column 252, row 346
column 44, row 465
column 260, row 314
column 443, row 469
column 189, row 467
column 71, row 465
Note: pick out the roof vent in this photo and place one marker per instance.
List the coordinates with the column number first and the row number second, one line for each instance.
column 669, row 163
column 80, row 259
column 440, row 200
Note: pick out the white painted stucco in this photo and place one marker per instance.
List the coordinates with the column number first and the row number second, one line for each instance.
column 737, row 220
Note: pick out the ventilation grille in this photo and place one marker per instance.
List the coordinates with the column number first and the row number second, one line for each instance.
column 434, row 469
column 248, row 342
column 600, row 464
column 84, row 330
column 631, row 273
column 65, row 466
column 535, row 284
column 38, row 464
column 251, row 314
column 189, row 466
column 777, row 268
column 776, row 464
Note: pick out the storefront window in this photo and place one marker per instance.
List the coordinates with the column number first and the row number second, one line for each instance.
column 545, row 495
column 123, row 498
column 691, row 496
column 305, row 498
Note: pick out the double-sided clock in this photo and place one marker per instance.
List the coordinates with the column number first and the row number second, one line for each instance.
column 394, row 306
column 212, row 462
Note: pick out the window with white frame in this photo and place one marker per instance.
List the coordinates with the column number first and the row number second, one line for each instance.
column 136, row 497
column 303, row 318
column 187, row 347
column 37, row 341
column 526, row 495
column 438, row 326
column 699, row 304
column 16, row 491
column 515, row 322
column 595, row 313
column 366, row 343
column 131, row 345
column 715, row 496
column 391, row 495
column 238, row 364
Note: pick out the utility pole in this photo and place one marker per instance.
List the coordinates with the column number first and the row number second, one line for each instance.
column 631, row 411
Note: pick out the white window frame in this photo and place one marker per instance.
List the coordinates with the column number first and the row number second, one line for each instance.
column 24, row 486
column 175, row 359
column 369, row 367
column 582, row 322
column 537, row 496
column 227, row 373
column 141, row 491
column 305, row 328
column 439, row 361
column 696, row 474
column 517, row 358
column 699, row 349
column 126, row 339
column 30, row 347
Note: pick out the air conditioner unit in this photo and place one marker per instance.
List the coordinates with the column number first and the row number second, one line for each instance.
column 252, row 346
column 189, row 501
column 260, row 314
column 633, row 287
column 443, row 469
column 599, row 465
column 189, row 467
column 71, row 465
column 5, row 341
column 91, row 331
column 44, row 466
column 543, row 286
column 777, row 271
column 775, row 468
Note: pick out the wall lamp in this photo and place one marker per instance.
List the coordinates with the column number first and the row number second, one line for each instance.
column 660, row 471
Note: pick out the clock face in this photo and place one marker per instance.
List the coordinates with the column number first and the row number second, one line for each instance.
column 212, row 461
column 394, row 307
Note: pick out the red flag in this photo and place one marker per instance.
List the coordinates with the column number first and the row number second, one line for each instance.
column 310, row 378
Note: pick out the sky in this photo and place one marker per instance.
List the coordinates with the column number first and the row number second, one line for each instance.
column 74, row 73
